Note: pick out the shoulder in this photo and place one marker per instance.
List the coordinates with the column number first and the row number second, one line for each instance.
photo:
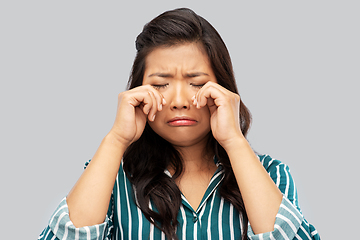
column 278, row 171
column 280, row 174
column 270, row 163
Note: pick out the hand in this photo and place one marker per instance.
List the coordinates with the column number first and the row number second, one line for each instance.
column 224, row 109
column 134, row 106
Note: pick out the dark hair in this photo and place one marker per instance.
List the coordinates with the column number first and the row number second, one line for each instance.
column 144, row 161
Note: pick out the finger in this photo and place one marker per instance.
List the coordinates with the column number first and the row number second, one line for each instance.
column 148, row 99
column 158, row 96
column 146, row 103
column 154, row 106
column 208, row 94
column 142, row 108
column 195, row 98
column 159, row 99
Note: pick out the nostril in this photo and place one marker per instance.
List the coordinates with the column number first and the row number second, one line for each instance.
column 183, row 107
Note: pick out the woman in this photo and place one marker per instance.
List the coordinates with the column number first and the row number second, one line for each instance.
column 176, row 163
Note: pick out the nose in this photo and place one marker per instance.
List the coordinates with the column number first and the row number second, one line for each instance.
column 180, row 98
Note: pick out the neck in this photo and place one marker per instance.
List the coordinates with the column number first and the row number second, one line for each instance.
column 196, row 157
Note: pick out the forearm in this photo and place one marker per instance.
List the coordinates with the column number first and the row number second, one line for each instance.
column 88, row 201
column 261, row 196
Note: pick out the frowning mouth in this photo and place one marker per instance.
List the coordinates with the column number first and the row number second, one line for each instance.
column 182, row 121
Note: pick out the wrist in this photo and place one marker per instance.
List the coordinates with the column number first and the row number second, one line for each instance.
column 116, row 141
column 235, row 143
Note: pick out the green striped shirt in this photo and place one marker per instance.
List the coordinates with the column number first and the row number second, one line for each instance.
column 215, row 217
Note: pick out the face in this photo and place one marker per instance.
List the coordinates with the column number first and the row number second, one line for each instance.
column 178, row 72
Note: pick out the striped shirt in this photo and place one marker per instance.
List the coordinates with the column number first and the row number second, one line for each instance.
column 215, row 217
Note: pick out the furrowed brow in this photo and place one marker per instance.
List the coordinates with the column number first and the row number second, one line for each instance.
column 163, row 75
column 196, row 74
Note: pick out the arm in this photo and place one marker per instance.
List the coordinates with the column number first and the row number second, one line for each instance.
column 61, row 227
column 287, row 219
column 87, row 210
column 260, row 195
column 267, row 187
column 289, row 222
column 88, row 201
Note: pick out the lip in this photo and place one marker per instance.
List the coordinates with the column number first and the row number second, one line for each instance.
column 182, row 121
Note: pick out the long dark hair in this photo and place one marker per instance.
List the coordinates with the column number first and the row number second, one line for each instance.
column 144, row 161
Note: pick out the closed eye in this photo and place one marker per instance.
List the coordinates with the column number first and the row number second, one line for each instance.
column 160, row 86
column 197, row 85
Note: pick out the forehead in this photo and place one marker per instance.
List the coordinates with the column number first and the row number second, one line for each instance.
column 188, row 56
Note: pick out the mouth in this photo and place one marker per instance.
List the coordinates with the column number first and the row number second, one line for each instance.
column 182, row 121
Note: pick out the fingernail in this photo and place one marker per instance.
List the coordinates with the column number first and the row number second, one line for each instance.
column 194, row 101
column 160, row 107
column 163, row 100
column 153, row 118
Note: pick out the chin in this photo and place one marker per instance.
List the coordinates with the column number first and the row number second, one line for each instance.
column 186, row 140
column 182, row 136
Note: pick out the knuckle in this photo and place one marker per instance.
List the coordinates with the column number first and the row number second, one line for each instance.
column 121, row 95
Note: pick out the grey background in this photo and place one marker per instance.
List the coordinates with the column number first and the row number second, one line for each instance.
column 62, row 65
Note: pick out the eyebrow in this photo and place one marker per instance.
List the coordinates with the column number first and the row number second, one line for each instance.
column 158, row 74
column 196, row 74
column 188, row 75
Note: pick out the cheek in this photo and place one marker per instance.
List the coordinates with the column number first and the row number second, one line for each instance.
column 157, row 124
column 205, row 112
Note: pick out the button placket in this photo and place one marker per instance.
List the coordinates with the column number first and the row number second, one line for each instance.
column 195, row 218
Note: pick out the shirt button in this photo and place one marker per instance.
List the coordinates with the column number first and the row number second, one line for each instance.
column 195, row 219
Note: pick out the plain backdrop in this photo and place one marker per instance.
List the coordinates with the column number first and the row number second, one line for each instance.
column 63, row 63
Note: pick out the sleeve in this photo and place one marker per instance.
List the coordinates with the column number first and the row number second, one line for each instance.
column 61, row 227
column 289, row 223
